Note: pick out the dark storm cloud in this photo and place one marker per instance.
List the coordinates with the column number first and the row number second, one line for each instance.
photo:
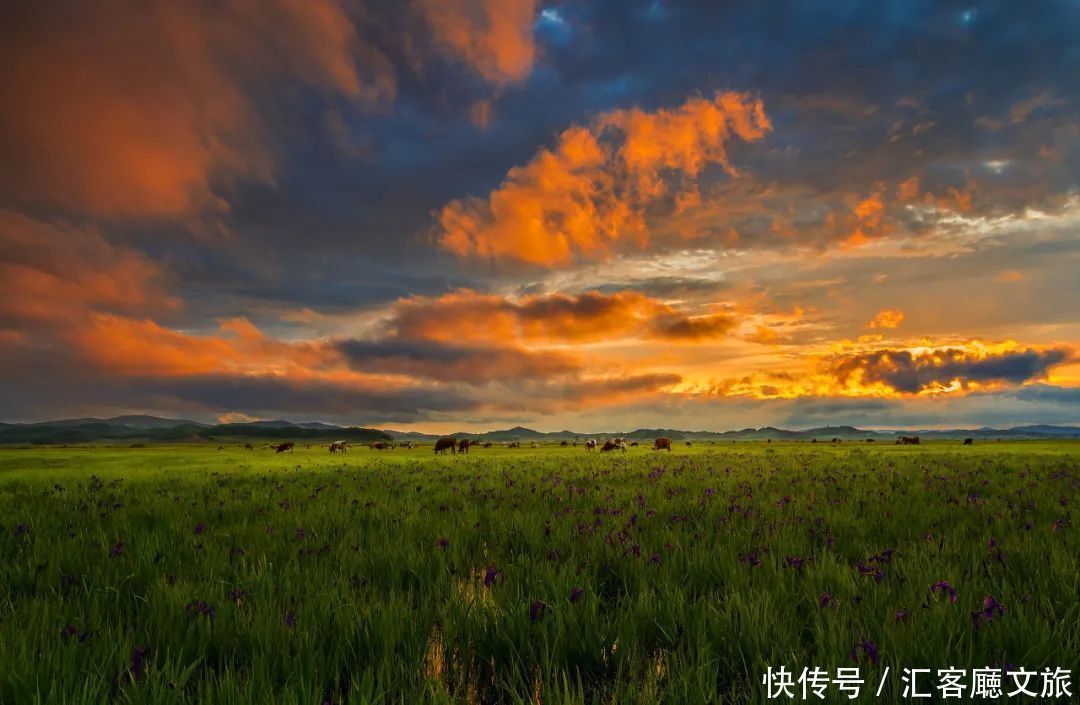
column 448, row 362
column 266, row 395
column 910, row 372
column 1049, row 393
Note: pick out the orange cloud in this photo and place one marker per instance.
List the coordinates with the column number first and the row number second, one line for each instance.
column 494, row 37
column 553, row 318
column 122, row 110
column 54, row 274
column 142, row 347
column 869, row 216
column 887, row 318
column 944, row 369
column 592, row 190
column 868, row 369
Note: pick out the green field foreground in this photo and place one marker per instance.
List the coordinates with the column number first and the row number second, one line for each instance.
column 173, row 574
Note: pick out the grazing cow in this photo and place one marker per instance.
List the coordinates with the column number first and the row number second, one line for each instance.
column 907, row 441
column 870, row 440
column 339, row 447
column 662, row 444
column 446, row 444
column 969, row 441
column 634, row 444
column 565, row 443
column 590, row 445
column 688, row 444
column 221, row 447
column 248, row 446
column 835, row 440
column 379, row 445
column 534, row 444
column 613, row 445
column 284, row 447
column 463, row 445
column 514, row 444
column 813, row 440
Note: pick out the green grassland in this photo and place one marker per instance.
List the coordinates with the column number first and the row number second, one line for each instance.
column 181, row 573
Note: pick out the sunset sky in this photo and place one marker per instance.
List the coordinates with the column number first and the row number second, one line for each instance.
column 595, row 215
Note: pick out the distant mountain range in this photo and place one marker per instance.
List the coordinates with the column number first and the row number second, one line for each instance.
column 154, row 428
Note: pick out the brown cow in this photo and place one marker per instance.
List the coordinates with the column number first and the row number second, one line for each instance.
column 379, row 445
column 590, row 445
column 662, row 444
column 284, row 447
column 689, row 444
column 613, row 445
column 248, row 446
column 339, row 447
column 969, row 441
column 446, row 444
column 463, row 445
column 870, row 440
column 907, row 441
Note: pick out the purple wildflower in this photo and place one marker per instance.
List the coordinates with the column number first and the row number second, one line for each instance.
column 537, row 610
column 656, row 559
column 199, row 528
column 871, row 571
column 237, row 596
column 289, row 620
column 116, row 550
column 576, row 594
column 21, row 530
column 750, row 558
column 139, row 657
column 795, row 562
column 900, row 615
column 492, row 576
column 991, row 608
column 826, row 600
column 868, row 647
column 883, row 557
column 443, row 543
column 300, row 534
column 198, row 608
column 944, row 586
column 71, row 632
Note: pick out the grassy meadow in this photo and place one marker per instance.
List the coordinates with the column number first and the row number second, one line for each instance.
column 182, row 574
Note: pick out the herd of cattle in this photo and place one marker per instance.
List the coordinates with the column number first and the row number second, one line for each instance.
column 462, row 445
